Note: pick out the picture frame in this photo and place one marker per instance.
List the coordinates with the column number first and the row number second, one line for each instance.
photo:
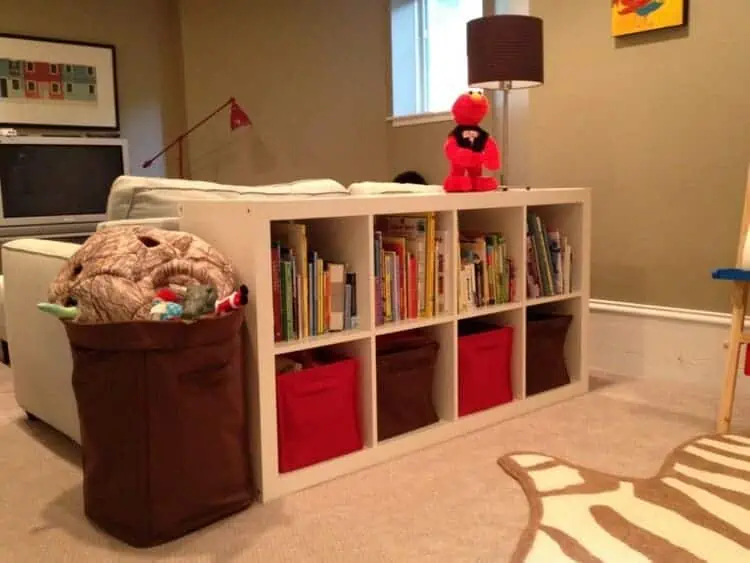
column 57, row 84
column 630, row 17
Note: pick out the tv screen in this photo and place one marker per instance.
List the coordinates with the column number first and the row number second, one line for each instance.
column 46, row 180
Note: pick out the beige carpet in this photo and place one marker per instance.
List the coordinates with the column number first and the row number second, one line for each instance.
column 450, row 503
column 695, row 509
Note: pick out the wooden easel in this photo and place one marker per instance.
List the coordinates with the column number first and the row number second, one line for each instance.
column 740, row 278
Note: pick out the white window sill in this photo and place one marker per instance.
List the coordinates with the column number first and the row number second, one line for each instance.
column 419, row 118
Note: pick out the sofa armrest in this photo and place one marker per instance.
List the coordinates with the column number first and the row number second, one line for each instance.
column 166, row 223
column 39, row 351
column 43, row 248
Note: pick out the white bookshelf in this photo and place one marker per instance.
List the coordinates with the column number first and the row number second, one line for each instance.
column 342, row 228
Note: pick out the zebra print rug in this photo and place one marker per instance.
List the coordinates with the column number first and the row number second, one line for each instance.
column 696, row 508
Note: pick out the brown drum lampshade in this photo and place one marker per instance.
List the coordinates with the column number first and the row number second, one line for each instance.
column 505, row 50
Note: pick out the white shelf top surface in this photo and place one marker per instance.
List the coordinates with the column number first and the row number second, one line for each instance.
column 321, row 206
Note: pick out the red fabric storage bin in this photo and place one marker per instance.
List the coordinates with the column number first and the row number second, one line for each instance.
column 484, row 363
column 318, row 413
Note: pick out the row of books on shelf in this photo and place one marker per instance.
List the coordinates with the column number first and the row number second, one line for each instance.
column 410, row 263
column 549, row 259
column 311, row 295
column 314, row 294
column 486, row 274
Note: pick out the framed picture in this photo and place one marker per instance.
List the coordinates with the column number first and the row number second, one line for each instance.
column 52, row 84
column 637, row 16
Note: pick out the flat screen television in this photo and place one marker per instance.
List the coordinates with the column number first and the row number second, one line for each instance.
column 54, row 180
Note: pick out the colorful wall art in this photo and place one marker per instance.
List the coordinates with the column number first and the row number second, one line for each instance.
column 60, row 84
column 637, row 16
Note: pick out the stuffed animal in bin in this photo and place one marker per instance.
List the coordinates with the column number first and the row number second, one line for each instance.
column 233, row 301
column 120, row 273
column 469, row 148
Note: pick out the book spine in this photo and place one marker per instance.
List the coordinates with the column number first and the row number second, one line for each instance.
column 351, row 281
column 327, row 277
column 276, row 283
column 312, row 298
column 295, row 296
column 347, row 307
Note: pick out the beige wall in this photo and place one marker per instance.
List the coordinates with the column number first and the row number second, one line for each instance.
column 149, row 67
column 311, row 76
column 658, row 126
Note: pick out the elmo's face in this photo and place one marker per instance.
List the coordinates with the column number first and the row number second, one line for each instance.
column 470, row 108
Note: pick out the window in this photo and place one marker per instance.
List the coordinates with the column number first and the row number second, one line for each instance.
column 92, row 89
column 53, row 68
column 55, row 88
column 30, row 86
column 29, row 67
column 428, row 53
column 15, row 84
column 69, row 88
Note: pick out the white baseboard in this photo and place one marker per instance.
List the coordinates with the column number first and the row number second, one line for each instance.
column 649, row 341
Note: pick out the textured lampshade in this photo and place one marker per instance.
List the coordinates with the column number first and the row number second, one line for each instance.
column 505, row 49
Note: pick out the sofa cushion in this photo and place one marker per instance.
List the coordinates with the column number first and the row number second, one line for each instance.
column 134, row 197
column 378, row 188
column 166, row 223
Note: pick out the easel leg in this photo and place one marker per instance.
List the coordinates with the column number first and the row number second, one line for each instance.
column 739, row 304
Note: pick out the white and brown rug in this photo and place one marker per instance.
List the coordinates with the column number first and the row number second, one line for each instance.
column 696, row 508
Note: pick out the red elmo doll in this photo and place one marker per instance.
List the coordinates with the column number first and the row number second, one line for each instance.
column 469, row 148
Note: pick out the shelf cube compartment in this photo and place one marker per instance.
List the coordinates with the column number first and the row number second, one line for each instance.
column 320, row 276
column 409, row 368
column 491, row 256
column 554, row 248
column 487, row 362
column 412, row 261
column 318, row 407
column 553, row 341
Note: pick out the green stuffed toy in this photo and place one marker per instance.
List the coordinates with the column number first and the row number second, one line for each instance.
column 59, row 311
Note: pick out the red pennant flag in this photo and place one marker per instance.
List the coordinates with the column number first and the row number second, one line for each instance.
column 237, row 117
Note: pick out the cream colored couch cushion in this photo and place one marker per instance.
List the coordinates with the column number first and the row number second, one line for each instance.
column 166, row 223
column 377, row 188
column 134, row 197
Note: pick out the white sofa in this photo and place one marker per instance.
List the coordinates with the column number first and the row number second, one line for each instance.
column 40, row 357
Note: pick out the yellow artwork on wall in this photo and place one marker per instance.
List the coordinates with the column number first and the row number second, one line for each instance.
column 636, row 16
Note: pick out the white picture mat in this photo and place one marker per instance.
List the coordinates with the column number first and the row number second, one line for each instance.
column 102, row 113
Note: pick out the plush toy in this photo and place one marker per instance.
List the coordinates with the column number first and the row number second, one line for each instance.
column 199, row 300
column 165, row 310
column 116, row 274
column 168, row 294
column 65, row 313
column 233, row 301
column 469, row 148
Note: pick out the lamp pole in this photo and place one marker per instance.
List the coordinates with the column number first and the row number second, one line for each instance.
column 178, row 140
column 505, row 132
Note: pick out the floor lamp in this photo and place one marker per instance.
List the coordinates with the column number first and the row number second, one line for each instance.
column 505, row 52
column 237, row 118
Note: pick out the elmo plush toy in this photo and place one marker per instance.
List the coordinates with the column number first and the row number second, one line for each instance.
column 469, row 148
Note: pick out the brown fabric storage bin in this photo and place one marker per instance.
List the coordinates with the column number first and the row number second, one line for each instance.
column 545, row 352
column 164, row 425
column 405, row 373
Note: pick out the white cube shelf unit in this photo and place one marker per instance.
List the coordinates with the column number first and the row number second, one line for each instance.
column 342, row 228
